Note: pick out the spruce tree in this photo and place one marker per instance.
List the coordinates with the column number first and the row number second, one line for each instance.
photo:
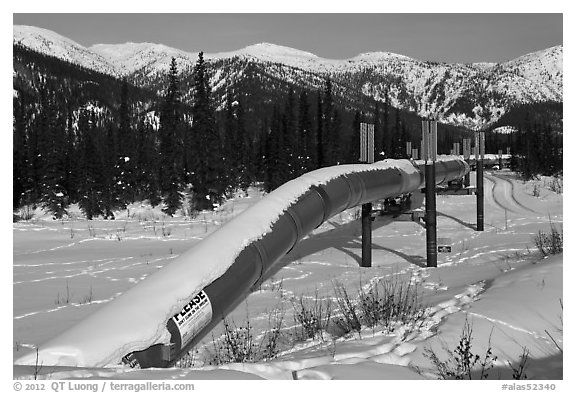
column 148, row 164
column 248, row 170
column 320, row 160
column 72, row 158
column 52, row 151
column 290, row 150
column 126, row 151
column 19, row 155
column 386, row 134
column 91, row 187
column 208, row 182
column 305, row 135
column 170, row 154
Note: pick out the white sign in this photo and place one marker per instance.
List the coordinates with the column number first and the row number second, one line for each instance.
column 194, row 317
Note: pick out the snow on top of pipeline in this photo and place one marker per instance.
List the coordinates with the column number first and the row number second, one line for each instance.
column 137, row 319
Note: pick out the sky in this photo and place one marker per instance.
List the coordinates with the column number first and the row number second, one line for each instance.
column 444, row 37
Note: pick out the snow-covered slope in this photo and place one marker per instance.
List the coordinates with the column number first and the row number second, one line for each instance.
column 50, row 43
column 146, row 58
column 542, row 69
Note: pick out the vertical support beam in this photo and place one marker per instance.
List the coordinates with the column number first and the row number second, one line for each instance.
column 366, row 235
column 366, row 156
column 431, row 246
column 429, row 142
column 500, row 159
column 480, row 181
column 466, row 149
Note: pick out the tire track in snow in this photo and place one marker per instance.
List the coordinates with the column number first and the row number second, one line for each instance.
column 495, row 195
column 512, row 193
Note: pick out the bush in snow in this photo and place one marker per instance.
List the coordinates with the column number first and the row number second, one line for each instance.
column 461, row 362
column 239, row 345
column 312, row 317
column 556, row 185
column 549, row 243
column 391, row 302
column 348, row 318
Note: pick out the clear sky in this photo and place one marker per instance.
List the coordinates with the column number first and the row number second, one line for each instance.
column 445, row 37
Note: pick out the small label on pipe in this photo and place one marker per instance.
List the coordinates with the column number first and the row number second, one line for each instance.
column 194, row 317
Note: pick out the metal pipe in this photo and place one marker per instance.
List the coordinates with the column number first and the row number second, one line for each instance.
column 203, row 310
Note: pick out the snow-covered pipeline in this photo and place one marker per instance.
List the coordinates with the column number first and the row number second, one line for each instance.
column 163, row 316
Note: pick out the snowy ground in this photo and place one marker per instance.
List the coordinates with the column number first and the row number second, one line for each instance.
column 64, row 270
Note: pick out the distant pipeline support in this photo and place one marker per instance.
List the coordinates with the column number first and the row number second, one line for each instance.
column 320, row 195
column 256, row 261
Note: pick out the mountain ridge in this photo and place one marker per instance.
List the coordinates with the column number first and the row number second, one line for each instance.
column 462, row 94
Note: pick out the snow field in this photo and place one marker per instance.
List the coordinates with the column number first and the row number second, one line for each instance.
column 462, row 282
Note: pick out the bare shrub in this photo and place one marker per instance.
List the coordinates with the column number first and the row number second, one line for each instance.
column 536, row 190
column 311, row 316
column 549, row 243
column 461, row 361
column 239, row 344
column 65, row 298
column 348, row 319
column 391, row 302
column 556, row 185
column 519, row 371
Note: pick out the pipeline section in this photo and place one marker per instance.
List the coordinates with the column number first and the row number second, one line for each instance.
column 313, row 208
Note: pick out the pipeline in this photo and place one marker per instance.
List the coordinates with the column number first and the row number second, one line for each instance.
column 195, row 316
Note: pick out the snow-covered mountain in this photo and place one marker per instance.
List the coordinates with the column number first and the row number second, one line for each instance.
column 461, row 94
column 53, row 44
column 145, row 58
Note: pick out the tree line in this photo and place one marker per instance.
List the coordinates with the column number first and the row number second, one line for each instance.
column 536, row 143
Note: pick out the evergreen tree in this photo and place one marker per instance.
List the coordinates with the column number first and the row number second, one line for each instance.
column 276, row 163
column 54, row 198
column 320, row 160
column 386, row 134
column 378, row 132
column 397, row 148
column 331, row 136
column 126, row 151
column 112, row 195
column 232, row 145
column 91, row 187
column 248, row 170
column 209, row 182
column 19, row 155
column 72, row 158
column 170, row 153
column 148, row 168
column 290, row 151
column 305, row 135
column 353, row 154
column 336, row 145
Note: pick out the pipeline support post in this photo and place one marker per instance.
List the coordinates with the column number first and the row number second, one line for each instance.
column 429, row 138
column 480, row 181
column 466, row 149
column 366, row 156
column 431, row 251
column 366, row 235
